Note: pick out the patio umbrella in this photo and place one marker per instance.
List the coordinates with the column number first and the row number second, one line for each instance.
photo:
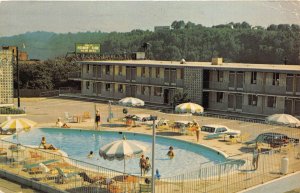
column 189, row 108
column 122, row 149
column 131, row 101
column 285, row 119
column 17, row 124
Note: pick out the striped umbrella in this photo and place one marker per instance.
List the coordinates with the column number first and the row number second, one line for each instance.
column 122, row 149
column 189, row 108
column 131, row 101
column 17, row 124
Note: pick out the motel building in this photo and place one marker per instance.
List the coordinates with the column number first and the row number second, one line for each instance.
column 258, row 89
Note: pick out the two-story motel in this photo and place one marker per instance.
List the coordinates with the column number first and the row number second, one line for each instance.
column 261, row 89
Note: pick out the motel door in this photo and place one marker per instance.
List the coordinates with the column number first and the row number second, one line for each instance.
column 238, row 102
column 166, row 96
column 288, row 106
column 133, row 91
column 128, row 91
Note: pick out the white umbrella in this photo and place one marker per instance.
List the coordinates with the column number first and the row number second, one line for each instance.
column 285, row 119
column 131, row 101
column 189, row 108
column 17, row 124
column 122, row 149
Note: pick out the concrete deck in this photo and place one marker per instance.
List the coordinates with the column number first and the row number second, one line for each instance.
column 45, row 112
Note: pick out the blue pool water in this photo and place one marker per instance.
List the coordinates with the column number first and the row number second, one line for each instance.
column 78, row 143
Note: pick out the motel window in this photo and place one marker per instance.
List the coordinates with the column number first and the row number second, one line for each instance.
column 143, row 72
column 219, row 97
column 220, row 76
column 120, row 70
column 145, row 90
column 94, row 87
column 181, row 74
column 157, row 72
column 120, row 88
column 252, row 100
column 157, row 91
column 253, row 77
column 94, row 71
column 150, row 72
column 107, row 87
column 107, row 69
column 87, row 85
column 87, row 68
column 275, row 80
column 271, row 102
column 297, row 107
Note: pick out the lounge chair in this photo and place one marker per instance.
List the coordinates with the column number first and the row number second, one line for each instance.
column 145, row 188
column 250, row 143
column 35, row 155
column 3, row 153
column 244, row 137
column 88, row 179
column 68, row 117
column 28, row 167
column 86, row 115
column 114, row 188
column 62, row 176
column 44, row 170
column 232, row 141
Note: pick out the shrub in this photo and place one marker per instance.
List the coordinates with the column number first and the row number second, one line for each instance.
column 11, row 110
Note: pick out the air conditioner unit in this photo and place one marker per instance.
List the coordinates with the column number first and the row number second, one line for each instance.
column 254, row 102
column 254, row 81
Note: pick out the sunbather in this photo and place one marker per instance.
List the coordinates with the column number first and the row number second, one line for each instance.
column 58, row 122
column 46, row 145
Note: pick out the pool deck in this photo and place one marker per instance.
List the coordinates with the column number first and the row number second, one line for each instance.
column 45, row 112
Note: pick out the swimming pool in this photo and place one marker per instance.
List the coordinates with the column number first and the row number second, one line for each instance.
column 78, row 143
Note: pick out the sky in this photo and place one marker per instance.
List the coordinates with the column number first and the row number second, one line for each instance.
column 17, row 17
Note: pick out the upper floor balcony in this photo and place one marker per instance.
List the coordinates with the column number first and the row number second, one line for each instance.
column 254, row 88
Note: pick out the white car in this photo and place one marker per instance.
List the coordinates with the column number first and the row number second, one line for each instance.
column 215, row 131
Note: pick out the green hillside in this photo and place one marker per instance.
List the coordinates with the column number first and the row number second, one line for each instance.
column 235, row 42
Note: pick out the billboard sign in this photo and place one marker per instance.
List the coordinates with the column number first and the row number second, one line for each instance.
column 87, row 48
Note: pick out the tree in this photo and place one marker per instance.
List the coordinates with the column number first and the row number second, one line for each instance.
column 272, row 27
column 180, row 97
column 178, row 24
column 190, row 25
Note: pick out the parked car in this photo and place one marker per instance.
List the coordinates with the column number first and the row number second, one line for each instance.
column 275, row 139
column 215, row 131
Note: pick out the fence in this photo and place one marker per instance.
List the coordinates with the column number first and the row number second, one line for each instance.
column 62, row 172
column 232, row 176
column 236, row 174
column 68, row 90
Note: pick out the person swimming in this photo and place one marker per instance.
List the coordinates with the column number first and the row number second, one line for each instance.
column 147, row 165
column 171, row 152
column 91, row 154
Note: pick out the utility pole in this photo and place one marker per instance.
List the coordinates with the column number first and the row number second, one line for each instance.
column 153, row 118
column 18, row 76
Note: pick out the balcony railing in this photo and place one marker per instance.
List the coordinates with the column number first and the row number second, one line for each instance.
column 245, row 88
